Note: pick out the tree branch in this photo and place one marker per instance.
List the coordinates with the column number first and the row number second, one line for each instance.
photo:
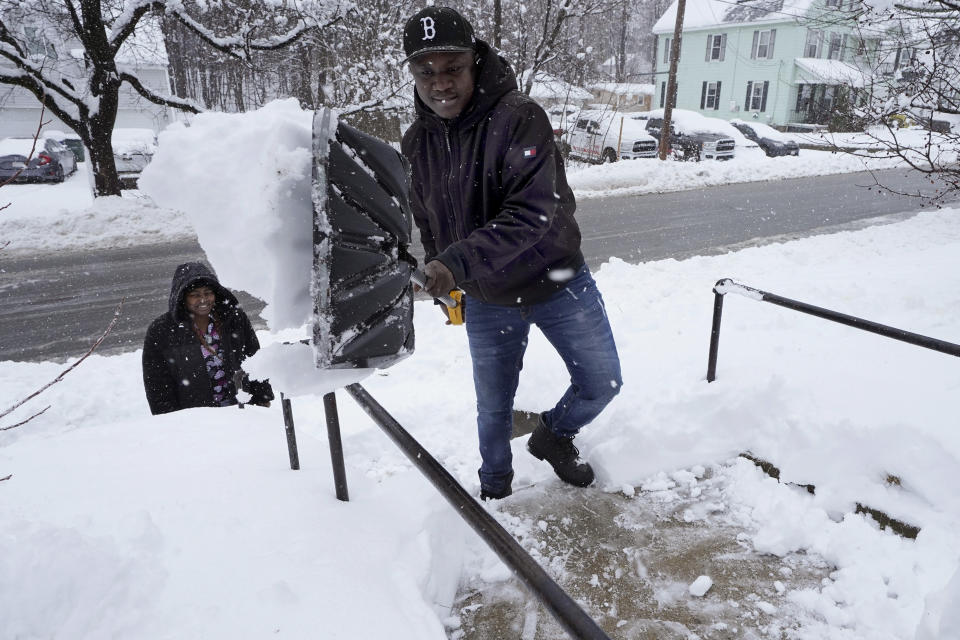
column 167, row 101
column 75, row 19
column 238, row 47
column 126, row 24
column 946, row 7
column 31, row 84
column 7, row 37
column 116, row 317
column 23, row 422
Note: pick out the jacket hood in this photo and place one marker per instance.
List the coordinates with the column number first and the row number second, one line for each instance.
column 494, row 79
column 185, row 276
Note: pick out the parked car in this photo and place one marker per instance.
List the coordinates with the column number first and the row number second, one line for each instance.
column 693, row 136
column 607, row 136
column 773, row 142
column 50, row 161
column 71, row 141
column 133, row 150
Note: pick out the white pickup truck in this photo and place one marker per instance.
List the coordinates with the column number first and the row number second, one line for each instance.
column 604, row 136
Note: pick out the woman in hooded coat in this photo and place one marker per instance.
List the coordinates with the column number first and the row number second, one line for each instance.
column 192, row 353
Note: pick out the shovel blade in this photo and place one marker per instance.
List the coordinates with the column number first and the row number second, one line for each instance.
column 363, row 299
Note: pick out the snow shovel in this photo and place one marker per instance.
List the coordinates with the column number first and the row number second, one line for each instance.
column 362, row 268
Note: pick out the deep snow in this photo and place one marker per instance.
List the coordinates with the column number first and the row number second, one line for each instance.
column 120, row 524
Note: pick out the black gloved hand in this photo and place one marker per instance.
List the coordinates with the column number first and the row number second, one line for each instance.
column 440, row 280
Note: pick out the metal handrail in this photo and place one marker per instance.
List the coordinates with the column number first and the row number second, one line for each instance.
column 568, row 613
column 726, row 285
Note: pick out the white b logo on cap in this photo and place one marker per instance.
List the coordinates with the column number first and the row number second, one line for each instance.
column 429, row 32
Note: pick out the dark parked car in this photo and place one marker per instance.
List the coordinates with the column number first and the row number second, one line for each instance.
column 773, row 142
column 693, row 136
column 50, row 161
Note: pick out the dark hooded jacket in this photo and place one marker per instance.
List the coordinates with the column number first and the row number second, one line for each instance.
column 174, row 372
column 489, row 193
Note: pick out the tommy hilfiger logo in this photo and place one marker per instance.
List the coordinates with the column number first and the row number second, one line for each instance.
column 530, row 152
column 429, row 31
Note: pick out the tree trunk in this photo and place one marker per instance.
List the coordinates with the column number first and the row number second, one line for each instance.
column 106, row 182
column 621, row 57
column 671, row 96
column 176, row 55
column 304, row 91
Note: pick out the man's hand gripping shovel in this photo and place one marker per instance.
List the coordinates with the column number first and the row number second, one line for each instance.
column 453, row 301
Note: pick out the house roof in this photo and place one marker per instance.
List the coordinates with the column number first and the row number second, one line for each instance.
column 703, row 14
column 624, row 88
column 548, row 87
column 821, row 71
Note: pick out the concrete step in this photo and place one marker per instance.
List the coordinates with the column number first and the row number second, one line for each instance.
column 630, row 560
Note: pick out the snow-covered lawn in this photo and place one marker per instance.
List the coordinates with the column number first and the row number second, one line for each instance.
column 881, row 138
column 49, row 217
column 191, row 525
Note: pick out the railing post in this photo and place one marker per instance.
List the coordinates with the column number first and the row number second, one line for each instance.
column 715, row 336
column 291, row 433
column 336, row 446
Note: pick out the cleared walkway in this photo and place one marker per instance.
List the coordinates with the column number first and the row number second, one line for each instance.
column 632, row 561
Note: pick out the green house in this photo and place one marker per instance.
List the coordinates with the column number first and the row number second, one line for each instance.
column 781, row 62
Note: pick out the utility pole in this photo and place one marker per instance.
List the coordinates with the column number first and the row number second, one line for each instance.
column 671, row 96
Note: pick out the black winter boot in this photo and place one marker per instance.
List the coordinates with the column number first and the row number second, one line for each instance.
column 561, row 454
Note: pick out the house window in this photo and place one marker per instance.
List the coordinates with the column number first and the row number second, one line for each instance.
column 37, row 43
column 804, row 93
column 812, row 47
column 859, row 46
column 666, row 50
column 716, row 47
column 756, row 99
column 663, row 95
column 833, row 3
column 836, row 44
column 763, row 44
column 710, row 95
column 828, row 94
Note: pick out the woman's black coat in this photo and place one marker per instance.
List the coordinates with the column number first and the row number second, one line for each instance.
column 174, row 371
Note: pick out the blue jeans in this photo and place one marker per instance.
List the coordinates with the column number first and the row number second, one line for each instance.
column 574, row 320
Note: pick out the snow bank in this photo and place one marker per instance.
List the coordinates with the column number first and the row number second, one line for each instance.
column 635, row 177
column 243, row 181
column 66, row 217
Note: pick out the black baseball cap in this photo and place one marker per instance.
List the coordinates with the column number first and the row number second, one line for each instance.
column 437, row 29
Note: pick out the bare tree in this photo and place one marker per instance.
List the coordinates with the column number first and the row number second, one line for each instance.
column 37, row 38
column 912, row 87
column 546, row 30
column 354, row 65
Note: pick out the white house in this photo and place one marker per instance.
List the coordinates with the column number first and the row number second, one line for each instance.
column 144, row 54
column 550, row 91
column 624, row 96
